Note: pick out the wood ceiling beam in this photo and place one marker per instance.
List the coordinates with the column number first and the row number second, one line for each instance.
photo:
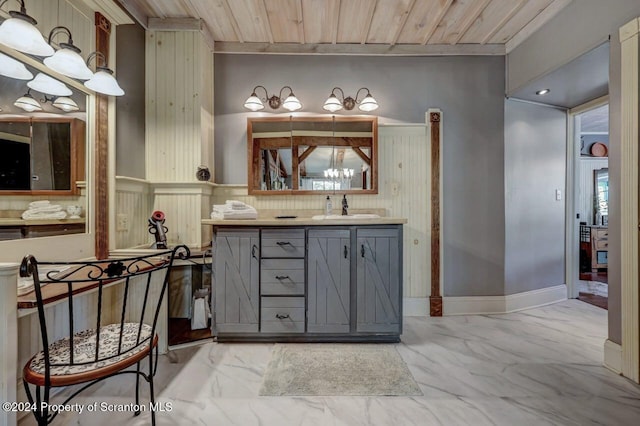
column 306, row 154
column 362, row 155
column 175, row 24
column 403, row 21
column 232, row 19
column 360, row 49
column 504, row 20
column 369, row 20
column 469, row 20
column 265, row 19
column 300, row 21
column 437, row 21
column 336, row 19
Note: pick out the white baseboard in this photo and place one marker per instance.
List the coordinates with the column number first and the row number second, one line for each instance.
column 471, row 305
column 613, row 356
column 415, row 307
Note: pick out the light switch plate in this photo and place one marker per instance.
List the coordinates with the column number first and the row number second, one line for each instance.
column 558, row 194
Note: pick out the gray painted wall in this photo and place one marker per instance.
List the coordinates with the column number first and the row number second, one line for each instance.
column 130, row 108
column 469, row 90
column 577, row 28
column 535, row 164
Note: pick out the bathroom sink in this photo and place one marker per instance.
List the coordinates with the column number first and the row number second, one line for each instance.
column 350, row 216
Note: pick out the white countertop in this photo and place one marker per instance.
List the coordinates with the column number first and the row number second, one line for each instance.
column 306, row 218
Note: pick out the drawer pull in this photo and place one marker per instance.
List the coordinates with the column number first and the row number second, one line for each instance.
column 282, row 316
column 282, row 277
column 362, row 250
column 253, row 251
column 345, row 251
column 283, row 243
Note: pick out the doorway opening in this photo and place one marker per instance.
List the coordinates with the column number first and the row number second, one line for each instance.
column 591, row 137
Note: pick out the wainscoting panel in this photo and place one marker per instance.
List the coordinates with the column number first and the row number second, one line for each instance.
column 133, row 199
column 403, row 179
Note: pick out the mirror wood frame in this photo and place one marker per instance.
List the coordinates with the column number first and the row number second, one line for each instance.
column 253, row 155
column 77, row 150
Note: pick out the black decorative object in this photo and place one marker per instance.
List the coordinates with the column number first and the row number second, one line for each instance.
column 203, row 173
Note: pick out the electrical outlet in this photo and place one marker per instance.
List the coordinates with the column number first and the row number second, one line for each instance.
column 122, row 222
column 558, row 194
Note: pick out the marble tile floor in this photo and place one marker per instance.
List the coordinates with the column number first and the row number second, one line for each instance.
column 537, row 367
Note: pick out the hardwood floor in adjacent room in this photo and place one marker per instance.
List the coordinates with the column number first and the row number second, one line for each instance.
column 541, row 366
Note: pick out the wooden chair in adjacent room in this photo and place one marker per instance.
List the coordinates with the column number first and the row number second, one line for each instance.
column 109, row 327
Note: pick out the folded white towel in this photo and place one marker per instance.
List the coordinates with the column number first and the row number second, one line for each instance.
column 29, row 215
column 235, row 203
column 51, row 208
column 41, row 203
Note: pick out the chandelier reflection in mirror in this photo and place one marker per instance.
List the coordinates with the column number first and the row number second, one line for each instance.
column 340, row 179
column 255, row 103
column 333, row 104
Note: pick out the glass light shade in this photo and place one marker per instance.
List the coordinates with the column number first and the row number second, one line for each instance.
column 66, row 104
column 368, row 104
column 253, row 103
column 332, row 104
column 291, row 103
column 70, row 63
column 49, row 85
column 104, row 82
column 27, row 103
column 23, row 36
column 9, row 67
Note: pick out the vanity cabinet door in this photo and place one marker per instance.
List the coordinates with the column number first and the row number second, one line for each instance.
column 379, row 280
column 329, row 281
column 237, row 267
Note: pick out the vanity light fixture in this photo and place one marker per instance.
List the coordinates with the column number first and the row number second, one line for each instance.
column 67, row 60
column 62, row 102
column 254, row 103
column 103, row 80
column 9, row 67
column 542, row 92
column 20, row 33
column 333, row 104
column 28, row 103
column 49, row 85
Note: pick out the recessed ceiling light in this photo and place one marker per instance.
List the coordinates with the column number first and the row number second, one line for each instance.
column 543, row 92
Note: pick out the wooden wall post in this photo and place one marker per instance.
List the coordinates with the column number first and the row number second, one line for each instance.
column 103, row 33
column 435, row 300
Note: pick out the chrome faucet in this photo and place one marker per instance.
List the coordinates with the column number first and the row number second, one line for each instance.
column 345, row 205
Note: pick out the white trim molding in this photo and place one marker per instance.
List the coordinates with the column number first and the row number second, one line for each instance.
column 473, row 305
column 8, row 338
column 630, row 105
column 613, row 356
column 415, row 307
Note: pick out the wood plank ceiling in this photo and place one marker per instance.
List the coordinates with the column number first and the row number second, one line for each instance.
column 353, row 26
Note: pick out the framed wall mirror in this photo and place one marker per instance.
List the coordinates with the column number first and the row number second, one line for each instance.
column 601, row 196
column 308, row 155
column 43, row 190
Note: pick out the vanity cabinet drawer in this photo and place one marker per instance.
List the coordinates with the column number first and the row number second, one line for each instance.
column 283, row 243
column 282, row 276
column 602, row 245
column 602, row 234
column 282, row 315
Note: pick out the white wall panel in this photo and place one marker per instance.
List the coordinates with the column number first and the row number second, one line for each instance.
column 133, row 199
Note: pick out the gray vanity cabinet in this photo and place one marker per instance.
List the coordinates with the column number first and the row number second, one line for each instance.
column 329, row 281
column 378, row 280
column 237, row 269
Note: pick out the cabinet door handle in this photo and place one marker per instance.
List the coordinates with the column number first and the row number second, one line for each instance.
column 345, row 251
column 362, row 250
column 282, row 316
column 283, row 243
column 253, row 251
column 282, row 277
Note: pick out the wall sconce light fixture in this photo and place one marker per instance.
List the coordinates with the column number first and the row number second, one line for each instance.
column 20, row 33
column 27, row 102
column 103, row 80
column 9, row 67
column 254, row 103
column 62, row 102
column 333, row 104
column 67, row 60
column 49, row 85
